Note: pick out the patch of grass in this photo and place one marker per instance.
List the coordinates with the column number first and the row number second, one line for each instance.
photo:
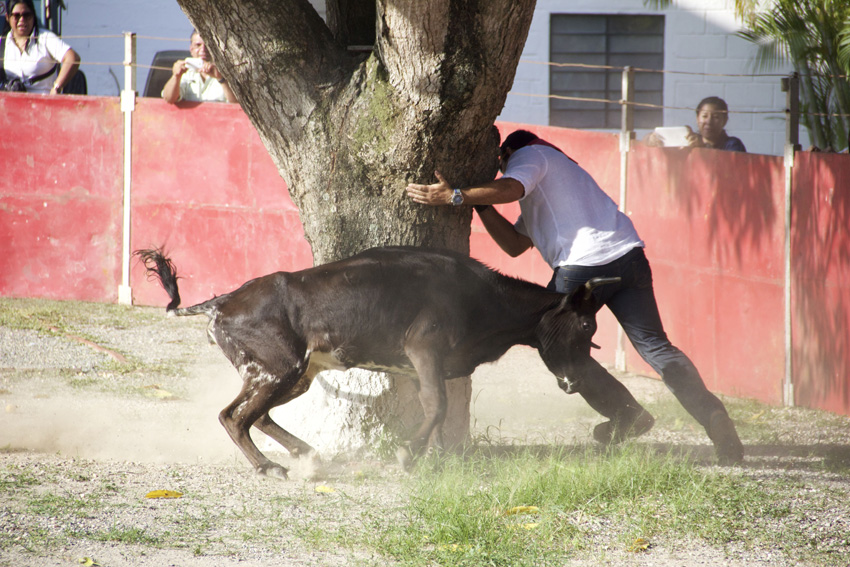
column 41, row 314
column 135, row 536
column 14, row 478
column 460, row 512
column 56, row 505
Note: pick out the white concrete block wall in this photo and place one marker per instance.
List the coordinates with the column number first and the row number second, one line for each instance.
column 700, row 37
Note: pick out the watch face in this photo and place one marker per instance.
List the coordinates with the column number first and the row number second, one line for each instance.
column 457, row 198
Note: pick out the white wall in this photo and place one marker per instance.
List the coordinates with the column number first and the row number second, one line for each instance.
column 699, row 38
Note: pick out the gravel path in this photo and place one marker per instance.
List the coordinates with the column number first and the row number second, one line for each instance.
column 78, row 426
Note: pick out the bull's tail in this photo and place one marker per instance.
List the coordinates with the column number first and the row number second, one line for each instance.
column 158, row 266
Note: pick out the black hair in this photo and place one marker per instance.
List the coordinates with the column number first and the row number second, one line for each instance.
column 12, row 3
column 714, row 100
column 518, row 139
column 29, row 4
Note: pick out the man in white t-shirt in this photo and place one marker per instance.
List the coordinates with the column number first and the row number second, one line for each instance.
column 196, row 78
column 582, row 234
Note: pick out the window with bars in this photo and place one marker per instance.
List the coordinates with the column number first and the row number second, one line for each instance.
column 610, row 40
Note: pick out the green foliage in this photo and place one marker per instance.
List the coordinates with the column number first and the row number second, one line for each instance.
column 813, row 36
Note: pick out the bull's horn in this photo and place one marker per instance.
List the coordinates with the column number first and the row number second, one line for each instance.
column 596, row 282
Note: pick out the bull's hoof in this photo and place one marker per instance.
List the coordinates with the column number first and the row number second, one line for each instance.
column 613, row 432
column 273, row 470
column 405, row 457
column 727, row 444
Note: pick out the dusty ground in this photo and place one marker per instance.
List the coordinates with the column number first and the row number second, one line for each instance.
column 76, row 428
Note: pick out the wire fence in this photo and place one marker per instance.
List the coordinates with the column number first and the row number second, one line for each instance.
column 618, row 102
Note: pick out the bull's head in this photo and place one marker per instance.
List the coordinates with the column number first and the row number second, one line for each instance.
column 565, row 333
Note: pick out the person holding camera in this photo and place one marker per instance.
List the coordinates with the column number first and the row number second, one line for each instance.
column 712, row 116
column 32, row 55
column 196, row 78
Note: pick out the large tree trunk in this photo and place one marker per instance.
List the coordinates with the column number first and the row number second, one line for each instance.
column 349, row 130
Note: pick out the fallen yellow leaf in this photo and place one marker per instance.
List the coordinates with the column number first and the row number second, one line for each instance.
column 522, row 510
column 325, row 489
column 164, row 494
column 158, row 392
column 639, row 544
column 88, row 562
column 755, row 417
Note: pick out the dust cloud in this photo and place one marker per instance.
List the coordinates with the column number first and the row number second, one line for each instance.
column 89, row 424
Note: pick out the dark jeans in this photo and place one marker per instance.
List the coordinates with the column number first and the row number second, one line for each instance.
column 632, row 301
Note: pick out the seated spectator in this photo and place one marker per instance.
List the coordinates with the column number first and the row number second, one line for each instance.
column 32, row 55
column 712, row 115
column 196, row 78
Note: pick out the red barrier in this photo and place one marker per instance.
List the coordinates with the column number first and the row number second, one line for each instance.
column 820, row 248
column 60, row 197
column 713, row 224
column 206, row 189
column 204, row 186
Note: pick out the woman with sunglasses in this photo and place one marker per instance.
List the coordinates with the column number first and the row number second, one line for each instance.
column 32, row 54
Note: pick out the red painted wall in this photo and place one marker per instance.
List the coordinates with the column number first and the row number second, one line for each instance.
column 60, row 197
column 205, row 188
column 820, row 248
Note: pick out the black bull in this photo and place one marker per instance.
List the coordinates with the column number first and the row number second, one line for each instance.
column 431, row 314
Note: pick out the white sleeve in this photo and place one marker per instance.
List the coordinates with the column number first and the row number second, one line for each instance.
column 56, row 47
column 528, row 166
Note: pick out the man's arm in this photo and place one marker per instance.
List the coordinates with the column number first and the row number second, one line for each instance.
column 503, row 232
column 171, row 90
column 211, row 70
column 502, row 190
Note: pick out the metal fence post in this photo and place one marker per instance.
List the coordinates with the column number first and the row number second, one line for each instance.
column 791, row 88
column 128, row 105
column 627, row 134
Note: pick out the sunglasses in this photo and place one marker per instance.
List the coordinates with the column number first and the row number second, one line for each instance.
column 21, row 15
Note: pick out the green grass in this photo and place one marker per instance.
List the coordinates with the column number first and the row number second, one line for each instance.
column 42, row 314
column 127, row 536
column 81, row 319
column 588, row 502
column 458, row 512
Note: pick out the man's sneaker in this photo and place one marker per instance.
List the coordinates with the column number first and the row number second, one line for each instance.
column 727, row 445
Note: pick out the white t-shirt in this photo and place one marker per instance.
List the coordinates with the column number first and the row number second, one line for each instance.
column 568, row 217
column 44, row 50
column 193, row 87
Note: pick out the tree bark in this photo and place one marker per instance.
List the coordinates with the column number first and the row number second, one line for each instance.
column 349, row 130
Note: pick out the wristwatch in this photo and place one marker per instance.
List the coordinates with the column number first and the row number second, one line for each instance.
column 457, row 197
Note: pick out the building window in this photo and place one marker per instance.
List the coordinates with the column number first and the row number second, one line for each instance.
column 601, row 39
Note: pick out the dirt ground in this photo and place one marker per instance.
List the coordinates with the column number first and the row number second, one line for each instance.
column 75, row 428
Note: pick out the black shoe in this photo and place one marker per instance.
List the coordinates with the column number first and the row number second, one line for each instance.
column 727, row 445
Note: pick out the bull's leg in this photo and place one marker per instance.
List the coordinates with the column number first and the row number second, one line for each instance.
column 432, row 396
column 237, row 418
column 295, row 446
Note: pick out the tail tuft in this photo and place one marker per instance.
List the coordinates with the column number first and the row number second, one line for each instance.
column 159, row 267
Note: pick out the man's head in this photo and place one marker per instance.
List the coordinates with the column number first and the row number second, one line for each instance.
column 197, row 47
column 514, row 141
